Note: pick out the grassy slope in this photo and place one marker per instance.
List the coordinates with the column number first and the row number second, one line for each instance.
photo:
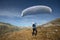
column 5, row 28
column 44, row 33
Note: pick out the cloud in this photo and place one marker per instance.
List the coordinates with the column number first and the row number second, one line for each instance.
column 9, row 13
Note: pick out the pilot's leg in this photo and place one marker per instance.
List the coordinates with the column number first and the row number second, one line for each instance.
column 33, row 32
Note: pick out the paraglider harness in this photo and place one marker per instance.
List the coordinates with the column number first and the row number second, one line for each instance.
column 34, row 30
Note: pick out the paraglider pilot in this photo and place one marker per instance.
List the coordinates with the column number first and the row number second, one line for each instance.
column 34, row 29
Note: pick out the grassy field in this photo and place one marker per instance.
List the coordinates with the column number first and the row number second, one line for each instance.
column 48, row 31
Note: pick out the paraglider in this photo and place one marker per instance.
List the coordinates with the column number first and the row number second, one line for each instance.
column 34, row 10
column 34, row 29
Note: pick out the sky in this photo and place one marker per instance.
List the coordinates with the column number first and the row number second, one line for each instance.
column 10, row 11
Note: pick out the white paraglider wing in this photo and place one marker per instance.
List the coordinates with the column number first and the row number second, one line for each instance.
column 36, row 10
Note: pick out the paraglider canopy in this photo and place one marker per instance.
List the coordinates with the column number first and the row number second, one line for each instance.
column 36, row 10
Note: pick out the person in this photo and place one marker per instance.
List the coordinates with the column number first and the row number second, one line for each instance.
column 34, row 29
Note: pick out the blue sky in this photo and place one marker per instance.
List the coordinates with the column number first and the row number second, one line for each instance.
column 10, row 11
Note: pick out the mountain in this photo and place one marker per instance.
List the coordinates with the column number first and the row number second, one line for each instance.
column 55, row 22
column 4, row 23
column 6, row 27
column 51, row 32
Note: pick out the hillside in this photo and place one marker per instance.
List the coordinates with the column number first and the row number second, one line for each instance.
column 51, row 32
column 6, row 27
column 55, row 22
